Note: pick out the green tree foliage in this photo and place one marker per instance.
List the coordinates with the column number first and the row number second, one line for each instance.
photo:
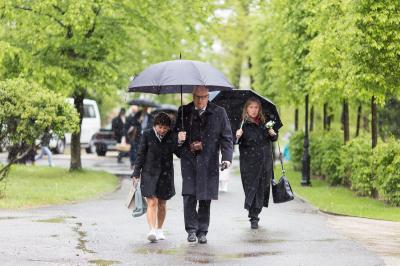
column 376, row 52
column 272, row 62
column 230, row 35
column 332, row 73
column 27, row 110
column 89, row 48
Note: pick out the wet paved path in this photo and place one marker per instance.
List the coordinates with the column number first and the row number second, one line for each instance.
column 102, row 232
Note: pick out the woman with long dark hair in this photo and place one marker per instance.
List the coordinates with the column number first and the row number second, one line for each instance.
column 256, row 161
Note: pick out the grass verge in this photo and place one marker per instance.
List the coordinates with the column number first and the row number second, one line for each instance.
column 34, row 186
column 339, row 200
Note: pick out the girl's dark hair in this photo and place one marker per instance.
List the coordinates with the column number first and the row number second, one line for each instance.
column 162, row 119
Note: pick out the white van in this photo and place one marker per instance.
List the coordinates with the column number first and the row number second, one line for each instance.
column 91, row 123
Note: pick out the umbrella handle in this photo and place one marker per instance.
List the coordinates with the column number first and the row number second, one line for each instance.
column 182, row 109
column 241, row 126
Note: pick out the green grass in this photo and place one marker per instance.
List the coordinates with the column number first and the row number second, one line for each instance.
column 339, row 200
column 33, row 186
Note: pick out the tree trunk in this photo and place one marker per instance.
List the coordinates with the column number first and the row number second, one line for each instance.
column 312, row 118
column 325, row 119
column 359, row 110
column 296, row 119
column 76, row 163
column 305, row 171
column 374, row 127
column 346, row 126
column 329, row 119
column 249, row 64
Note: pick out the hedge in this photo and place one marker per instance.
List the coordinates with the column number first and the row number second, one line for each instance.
column 368, row 172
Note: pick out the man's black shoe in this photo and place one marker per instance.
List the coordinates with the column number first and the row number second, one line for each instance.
column 191, row 237
column 202, row 239
column 254, row 224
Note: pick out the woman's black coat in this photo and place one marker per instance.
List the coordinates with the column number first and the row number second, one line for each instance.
column 256, row 164
column 154, row 164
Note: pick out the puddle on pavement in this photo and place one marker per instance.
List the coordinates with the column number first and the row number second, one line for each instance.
column 265, row 241
column 59, row 219
column 104, row 262
column 273, row 241
column 52, row 220
column 146, row 251
column 8, row 218
column 200, row 260
column 81, row 240
column 325, row 240
column 203, row 257
column 255, row 254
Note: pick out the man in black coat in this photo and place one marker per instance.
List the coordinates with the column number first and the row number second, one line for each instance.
column 206, row 132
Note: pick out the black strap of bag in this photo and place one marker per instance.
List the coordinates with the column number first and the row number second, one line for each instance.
column 281, row 159
column 281, row 190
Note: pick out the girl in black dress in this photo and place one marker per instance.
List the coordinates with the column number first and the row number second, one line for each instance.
column 154, row 165
column 256, row 162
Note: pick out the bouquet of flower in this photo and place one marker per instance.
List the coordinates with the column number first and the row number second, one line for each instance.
column 270, row 124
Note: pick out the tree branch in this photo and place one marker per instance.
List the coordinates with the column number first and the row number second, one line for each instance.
column 45, row 14
column 89, row 33
column 62, row 12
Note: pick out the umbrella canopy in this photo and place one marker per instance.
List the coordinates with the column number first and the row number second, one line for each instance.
column 166, row 108
column 143, row 102
column 234, row 101
column 179, row 76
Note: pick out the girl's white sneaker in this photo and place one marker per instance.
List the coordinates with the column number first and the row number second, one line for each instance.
column 160, row 234
column 151, row 236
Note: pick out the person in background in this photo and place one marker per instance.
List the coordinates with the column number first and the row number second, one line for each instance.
column 135, row 127
column 44, row 148
column 154, row 167
column 118, row 127
column 256, row 162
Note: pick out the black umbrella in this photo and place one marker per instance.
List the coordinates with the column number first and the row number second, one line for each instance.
column 143, row 102
column 179, row 76
column 234, row 101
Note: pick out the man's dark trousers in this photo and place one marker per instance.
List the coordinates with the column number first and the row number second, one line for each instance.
column 196, row 221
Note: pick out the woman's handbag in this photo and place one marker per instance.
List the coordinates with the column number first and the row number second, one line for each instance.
column 281, row 191
column 123, row 147
column 130, row 199
column 140, row 203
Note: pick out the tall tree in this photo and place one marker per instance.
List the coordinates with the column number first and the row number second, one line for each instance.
column 231, row 35
column 89, row 48
column 376, row 53
column 332, row 71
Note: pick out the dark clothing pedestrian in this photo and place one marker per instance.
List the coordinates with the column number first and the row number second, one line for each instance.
column 196, row 221
column 256, row 166
column 154, row 164
column 118, row 128
column 45, row 139
column 200, row 170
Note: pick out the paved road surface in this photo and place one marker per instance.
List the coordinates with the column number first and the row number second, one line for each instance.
column 102, row 232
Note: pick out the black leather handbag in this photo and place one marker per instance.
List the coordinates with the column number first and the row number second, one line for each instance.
column 281, row 190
